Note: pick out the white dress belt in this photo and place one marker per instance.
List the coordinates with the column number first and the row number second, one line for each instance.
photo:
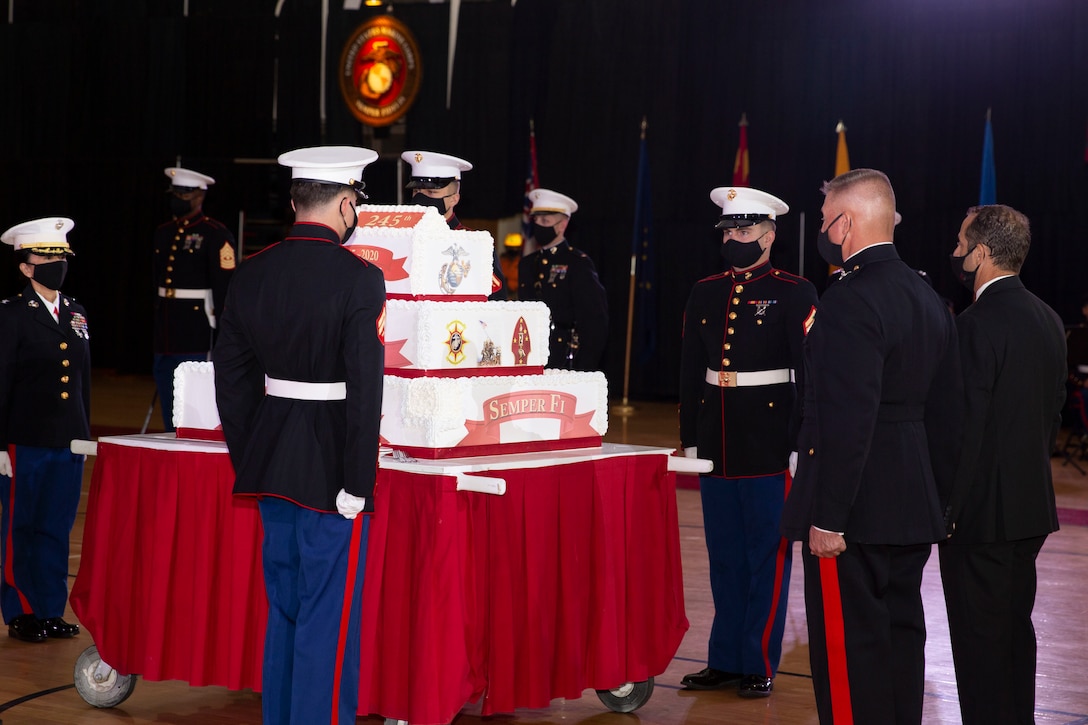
column 183, row 294
column 731, row 379
column 173, row 293
column 298, row 390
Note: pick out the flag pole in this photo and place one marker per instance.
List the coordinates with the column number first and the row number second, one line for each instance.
column 625, row 408
column 801, row 247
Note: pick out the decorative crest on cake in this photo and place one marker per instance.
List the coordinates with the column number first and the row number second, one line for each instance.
column 521, row 344
column 453, row 272
column 490, row 353
column 456, row 342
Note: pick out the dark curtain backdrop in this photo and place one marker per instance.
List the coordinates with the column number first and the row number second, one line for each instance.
column 99, row 96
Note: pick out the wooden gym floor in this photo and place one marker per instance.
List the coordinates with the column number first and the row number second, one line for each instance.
column 36, row 679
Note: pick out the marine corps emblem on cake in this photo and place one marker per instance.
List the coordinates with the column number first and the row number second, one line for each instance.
column 456, row 342
column 453, row 272
column 521, row 344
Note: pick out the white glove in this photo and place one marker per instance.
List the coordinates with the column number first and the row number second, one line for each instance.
column 793, row 463
column 349, row 506
column 692, row 452
column 5, row 464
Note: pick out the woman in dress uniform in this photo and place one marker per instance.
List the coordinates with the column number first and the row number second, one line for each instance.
column 45, row 397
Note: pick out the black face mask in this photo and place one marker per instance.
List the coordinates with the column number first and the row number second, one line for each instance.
column 967, row 279
column 51, row 274
column 741, row 255
column 831, row 252
column 543, row 235
column 180, row 207
column 424, row 200
column 351, row 229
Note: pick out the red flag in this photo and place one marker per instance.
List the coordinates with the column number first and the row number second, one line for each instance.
column 740, row 164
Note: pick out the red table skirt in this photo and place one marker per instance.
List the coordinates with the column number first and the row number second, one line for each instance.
column 571, row 580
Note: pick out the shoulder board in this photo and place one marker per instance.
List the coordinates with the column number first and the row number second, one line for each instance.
column 262, row 250
column 215, row 222
column 787, row 276
column 714, row 277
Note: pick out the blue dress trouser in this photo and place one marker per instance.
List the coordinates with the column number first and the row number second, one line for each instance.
column 39, row 507
column 313, row 572
column 749, row 571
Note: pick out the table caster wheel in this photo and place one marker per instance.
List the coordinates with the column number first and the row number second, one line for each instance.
column 98, row 683
column 628, row 697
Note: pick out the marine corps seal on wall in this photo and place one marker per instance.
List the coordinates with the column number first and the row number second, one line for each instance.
column 380, row 71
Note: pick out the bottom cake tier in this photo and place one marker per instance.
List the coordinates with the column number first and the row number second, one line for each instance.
column 446, row 417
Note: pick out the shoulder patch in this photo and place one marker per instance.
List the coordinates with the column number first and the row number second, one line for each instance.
column 810, row 320
column 226, row 257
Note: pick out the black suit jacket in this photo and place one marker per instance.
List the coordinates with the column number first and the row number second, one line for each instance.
column 881, row 391
column 306, row 310
column 1012, row 347
column 45, row 372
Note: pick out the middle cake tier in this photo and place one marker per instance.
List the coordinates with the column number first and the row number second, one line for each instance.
column 465, row 338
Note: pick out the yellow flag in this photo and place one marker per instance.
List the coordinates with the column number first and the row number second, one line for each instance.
column 842, row 165
column 842, row 157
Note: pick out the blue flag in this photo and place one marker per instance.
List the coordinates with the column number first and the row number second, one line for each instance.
column 987, row 190
column 645, row 270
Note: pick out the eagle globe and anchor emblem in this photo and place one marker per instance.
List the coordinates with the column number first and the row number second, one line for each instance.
column 453, row 272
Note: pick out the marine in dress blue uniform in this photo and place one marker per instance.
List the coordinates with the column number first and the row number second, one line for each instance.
column 298, row 378
column 566, row 280
column 194, row 258
column 436, row 181
column 45, row 401
column 879, row 429
column 743, row 333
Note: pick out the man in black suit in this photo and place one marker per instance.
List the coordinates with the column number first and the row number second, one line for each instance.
column 298, row 382
column 880, row 389
column 1001, row 506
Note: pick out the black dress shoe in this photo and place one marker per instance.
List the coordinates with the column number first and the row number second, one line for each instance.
column 709, row 678
column 26, row 628
column 59, row 629
column 756, row 686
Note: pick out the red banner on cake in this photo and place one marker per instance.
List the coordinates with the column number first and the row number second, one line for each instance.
column 524, row 405
column 390, row 220
column 392, row 268
column 394, row 358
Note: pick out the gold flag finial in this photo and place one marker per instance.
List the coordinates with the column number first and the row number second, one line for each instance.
column 839, row 128
column 743, row 119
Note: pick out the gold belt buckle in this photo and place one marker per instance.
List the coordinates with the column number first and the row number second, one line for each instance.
column 727, row 379
column 170, row 294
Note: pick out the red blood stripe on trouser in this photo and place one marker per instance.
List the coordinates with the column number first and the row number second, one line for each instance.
column 345, row 615
column 9, row 548
column 835, row 635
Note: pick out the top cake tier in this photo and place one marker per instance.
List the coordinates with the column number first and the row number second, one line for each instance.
column 420, row 256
